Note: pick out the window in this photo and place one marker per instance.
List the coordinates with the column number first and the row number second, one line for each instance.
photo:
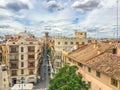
column 80, row 64
column 22, row 64
column 31, row 64
column 89, row 41
column 13, row 42
column 58, row 64
column 13, row 57
column 65, row 43
column 13, row 49
column 31, row 49
column 22, row 71
column 58, row 43
column 71, row 43
column 89, row 84
column 22, row 57
column 4, row 79
column 77, row 42
column 13, row 65
column 89, row 69
column 31, row 56
column 114, row 82
column 114, row 50
column 30, row 71
column 22, row 49
column 58, row 57
column 31, row 42
column 98, row 74
column 83, row 43
column 14, row 72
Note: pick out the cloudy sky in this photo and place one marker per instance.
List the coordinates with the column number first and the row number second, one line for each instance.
column 59, row 17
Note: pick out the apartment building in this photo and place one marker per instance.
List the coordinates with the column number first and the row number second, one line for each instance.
column 68, row 45
column 99, row 65
column 4, row 84
column 23, row 58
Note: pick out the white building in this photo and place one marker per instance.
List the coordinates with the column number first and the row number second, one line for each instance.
column 23, row 56
column 4, row 84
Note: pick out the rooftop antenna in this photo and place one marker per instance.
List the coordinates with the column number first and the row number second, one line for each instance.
column 117, row 19
column 25, row 29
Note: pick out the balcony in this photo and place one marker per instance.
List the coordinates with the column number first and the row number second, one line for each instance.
column 13, row 52
column 14, row 67
column 13, row 60
column 31, row 50
column 31, row 73
column 13, row 74
column 31, row 67
column 31, row 59
column 13, row 49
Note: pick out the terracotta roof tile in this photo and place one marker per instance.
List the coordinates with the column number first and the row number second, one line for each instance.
column 31, row 39
column 105, row 61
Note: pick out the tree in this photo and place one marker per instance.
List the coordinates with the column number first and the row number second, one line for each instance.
column 67, row 79
column 48, row 50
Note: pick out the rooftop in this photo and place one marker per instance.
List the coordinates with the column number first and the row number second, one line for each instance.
column 99, row 57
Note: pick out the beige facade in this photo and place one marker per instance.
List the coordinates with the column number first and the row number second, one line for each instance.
column 80, row 34
column 95, row 82
column 99, row 65
column 23, row 56
column 68, row 45
column 4, row 83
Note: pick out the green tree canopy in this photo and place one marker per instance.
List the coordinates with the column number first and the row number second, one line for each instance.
column 48, row 50
column 67, row 79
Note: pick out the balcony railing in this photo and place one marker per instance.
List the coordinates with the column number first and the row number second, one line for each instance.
column 13, row 74
column 13, row 60
column 31, row 73
column 31, row 50
column 14, row 67
column 13, row 51
column 31, row 67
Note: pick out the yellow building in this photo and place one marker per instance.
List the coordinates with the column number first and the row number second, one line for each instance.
column 4, row 54
column 64, row 57
column 99, row 65
column 80, row 34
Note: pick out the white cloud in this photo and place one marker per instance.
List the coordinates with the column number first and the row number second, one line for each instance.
column 86, row 5
column 55, row 5
column 103, row 17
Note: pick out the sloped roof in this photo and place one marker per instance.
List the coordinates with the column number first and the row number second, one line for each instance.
column 105, row 61
column 84, row 54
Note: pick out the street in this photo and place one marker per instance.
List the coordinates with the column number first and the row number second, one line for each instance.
column 43, row 83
